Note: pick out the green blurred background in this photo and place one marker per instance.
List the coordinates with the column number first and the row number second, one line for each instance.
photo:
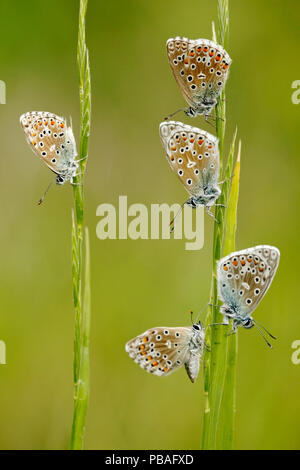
column 140, row 284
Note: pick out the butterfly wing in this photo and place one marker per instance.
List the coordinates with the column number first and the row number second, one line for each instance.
column 245, row 276
column 51, row 139
column 161, row 350
column 200, row 68
column 193, row 154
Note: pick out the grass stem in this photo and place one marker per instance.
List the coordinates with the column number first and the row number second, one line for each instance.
column 82, row 306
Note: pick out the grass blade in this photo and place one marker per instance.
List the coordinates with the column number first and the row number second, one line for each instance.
column 228, row 408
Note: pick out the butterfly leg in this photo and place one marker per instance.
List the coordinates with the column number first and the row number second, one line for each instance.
column 215, row 117
column 84, row 158
column 211, row 215
column 208, row 122
column 232, row 332
column 225, row 180
column 76, row 184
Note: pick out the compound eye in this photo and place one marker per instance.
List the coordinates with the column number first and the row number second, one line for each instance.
column 59, row 180
column 248, row 323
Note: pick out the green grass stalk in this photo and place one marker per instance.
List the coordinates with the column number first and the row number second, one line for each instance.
column 82, row 306
column 216, row 361
column 228, row 405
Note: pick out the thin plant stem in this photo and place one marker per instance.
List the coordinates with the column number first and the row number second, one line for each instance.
column 216, row 362
column 82, row 307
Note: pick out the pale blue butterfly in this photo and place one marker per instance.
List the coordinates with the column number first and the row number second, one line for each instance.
column 162, row 350
column 53, row 141
column 243, row 279
column 194, row 155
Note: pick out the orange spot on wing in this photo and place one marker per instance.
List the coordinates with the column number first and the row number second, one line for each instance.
column 218, row 57
column 225, row 268
column 186, row 61
column 235, row 263
column 243, row 262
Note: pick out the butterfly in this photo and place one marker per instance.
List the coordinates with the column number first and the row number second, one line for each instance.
column 194, row 155
column 243, row 279
column 162, row 350
column 53, row 141
column 200, row 68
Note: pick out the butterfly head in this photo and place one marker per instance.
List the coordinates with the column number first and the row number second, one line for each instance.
column 68, row 174
column 246, row 323
column 199, row 334
column 60, row 180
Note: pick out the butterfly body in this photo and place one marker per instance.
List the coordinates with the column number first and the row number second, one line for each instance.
column 162, row 350
column 53, row 141
column 200, row 68
column 194, row 155
column 243, row 279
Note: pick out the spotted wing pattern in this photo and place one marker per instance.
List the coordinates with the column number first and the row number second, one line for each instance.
column 161, row 350
column 200, row 68
column 193, row 154
column 51, row 139
column 245, row 276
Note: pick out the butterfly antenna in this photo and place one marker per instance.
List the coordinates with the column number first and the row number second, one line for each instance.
column 261, row 333
column 265, row 329
column 203, row 308
column 43, row 197
column 173, row 114
column 172, row 223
